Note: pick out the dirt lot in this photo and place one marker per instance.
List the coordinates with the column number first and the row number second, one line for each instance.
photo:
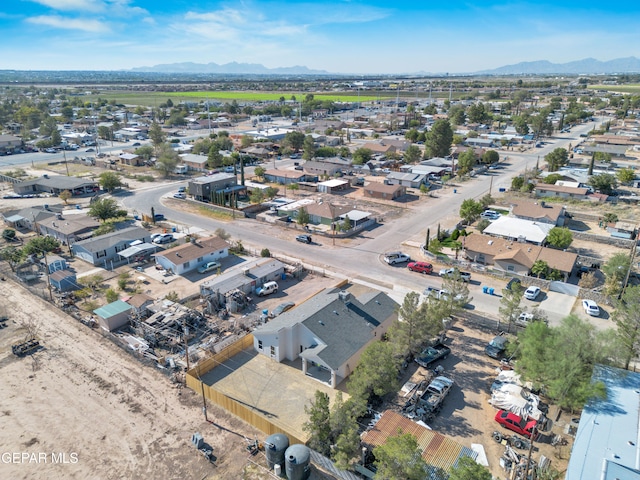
column 112, row 417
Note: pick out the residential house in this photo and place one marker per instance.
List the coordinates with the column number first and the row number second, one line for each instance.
column 409, row 180
column 189, row 256
column 516, row 257
column 55, row 185
column 54, row 263
column 64, row 280
column 333, row 185
column 285, row 177
column 326, row 166
column 68, row 228
column 380, row 148
column 540, row 212
column 325, row 213
column 104, row 249
column 139, row 304
column 439, row 452
column 384, row 191
column 131, row 159
column 479, row 142
column 9, row 143
column 30, row 217
column 544, row 190
column 329, row 330
column 196, row 163
column 606, row 442
column 519, row 230
column 206, row 188
column 113, row 316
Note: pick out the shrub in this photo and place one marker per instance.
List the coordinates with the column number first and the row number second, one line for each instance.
column 265, row 252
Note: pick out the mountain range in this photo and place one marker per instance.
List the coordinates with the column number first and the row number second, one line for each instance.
column 541, row 67
column 233, row 68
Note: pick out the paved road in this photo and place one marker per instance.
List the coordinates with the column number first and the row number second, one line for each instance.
column 362, row 259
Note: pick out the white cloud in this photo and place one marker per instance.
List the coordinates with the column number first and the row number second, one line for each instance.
column 85, row 25
column 73, row 5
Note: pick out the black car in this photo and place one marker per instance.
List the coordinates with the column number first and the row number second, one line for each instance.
column 304, row 238
column 496, row 347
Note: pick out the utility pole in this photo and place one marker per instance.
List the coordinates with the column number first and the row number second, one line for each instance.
column 533, row 436
column 186, row 343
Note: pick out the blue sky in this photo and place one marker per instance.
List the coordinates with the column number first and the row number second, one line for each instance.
column 349, row 36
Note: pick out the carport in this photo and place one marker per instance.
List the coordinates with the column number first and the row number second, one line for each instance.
column 139, row 253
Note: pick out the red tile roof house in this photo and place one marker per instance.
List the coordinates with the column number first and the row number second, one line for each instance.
column 516, row 257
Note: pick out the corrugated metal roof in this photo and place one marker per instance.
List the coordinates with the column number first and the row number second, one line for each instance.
column 112, row 309
column 438, row 450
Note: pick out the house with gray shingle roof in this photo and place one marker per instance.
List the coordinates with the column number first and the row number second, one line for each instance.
column 329, row 331
column 103, row 250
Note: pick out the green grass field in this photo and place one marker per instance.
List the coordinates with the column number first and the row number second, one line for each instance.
column 630, row 88
column 155, row 98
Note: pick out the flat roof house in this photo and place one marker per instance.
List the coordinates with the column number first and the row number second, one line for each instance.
column 56, row 184
column 519, row 230
column 384, row 191
column 206, row 187
column 330, row 330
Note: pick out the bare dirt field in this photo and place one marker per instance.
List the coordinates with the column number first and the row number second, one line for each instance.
column 112, row 417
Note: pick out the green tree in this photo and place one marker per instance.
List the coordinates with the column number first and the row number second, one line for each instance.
column 167, row 159
column 490, row 157
column 540, row 268
column 559, row 157
column 477, row 113
column 41, row 245
column 468, row 469
column 413, row 326
column 470, row 210
column 399, row 458
column 438, row 140
column 65, row 195
column 156, row 135
column 517, row 183
column 482, row 224
column 458, row 295
column 318, row 426
column 609, row 217
column 412, row 154
column 123, row 279
column 308, row 148
column 627, row 318
column 466, row 162
column 105, row 208
column 615, row 271
column 259, row 172
column 13, row 256
column 362, row 156
column 457, row 115
column 346, row 224
column 145, row 152
column 376, row 372
column 111, row 295
column 109, row 181
column 626, row 175
column 552, row 178
column 510, row 308
column 560, row 237
column 604, row 183
column 521, row 125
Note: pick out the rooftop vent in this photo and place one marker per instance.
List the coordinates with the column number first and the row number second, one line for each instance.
column 344, row 296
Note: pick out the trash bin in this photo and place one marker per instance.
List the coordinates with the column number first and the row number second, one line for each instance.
column 455, row 190
column 485, row 289
column 283, row 276
column 174, row 229
column 491, row 290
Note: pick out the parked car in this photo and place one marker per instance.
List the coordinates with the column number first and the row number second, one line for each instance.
column 180, row 195
column 396, row 257
column 163, row 238
column 135, row 144
column 525, row 318
column 158, row 217
column 532, row 292
column 496, row 347
column 267, row 289
column 209, row 267
column 50, row 150
column 591, row 308
column 304, row 238
column 90, row 150
column 516, row 423
column 182, row 190
column 464, row 276
column 420, row 267
column 432, row 354
column 489, row 215
column 283, row 307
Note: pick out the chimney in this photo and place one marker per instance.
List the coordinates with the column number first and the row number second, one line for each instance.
column 344, row 296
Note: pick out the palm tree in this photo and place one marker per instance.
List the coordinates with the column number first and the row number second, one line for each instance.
column 540, row 268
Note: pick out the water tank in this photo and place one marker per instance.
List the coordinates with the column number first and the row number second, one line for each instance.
column 297, row 462
column 274, row 447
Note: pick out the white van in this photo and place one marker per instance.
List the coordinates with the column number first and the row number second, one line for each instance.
column 267, row 289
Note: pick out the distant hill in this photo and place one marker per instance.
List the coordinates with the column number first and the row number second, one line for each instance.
column 229, row 68
column 586, row 66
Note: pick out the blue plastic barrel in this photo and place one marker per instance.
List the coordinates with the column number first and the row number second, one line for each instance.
column 485, row 289
column 491, row 290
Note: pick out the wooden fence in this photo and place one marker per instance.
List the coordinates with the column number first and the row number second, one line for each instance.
column 229, row 404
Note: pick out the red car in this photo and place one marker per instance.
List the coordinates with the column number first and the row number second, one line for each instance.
column 421, row 267
column 515, row 423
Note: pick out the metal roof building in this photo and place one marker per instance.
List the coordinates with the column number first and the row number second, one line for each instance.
column 608, row 436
